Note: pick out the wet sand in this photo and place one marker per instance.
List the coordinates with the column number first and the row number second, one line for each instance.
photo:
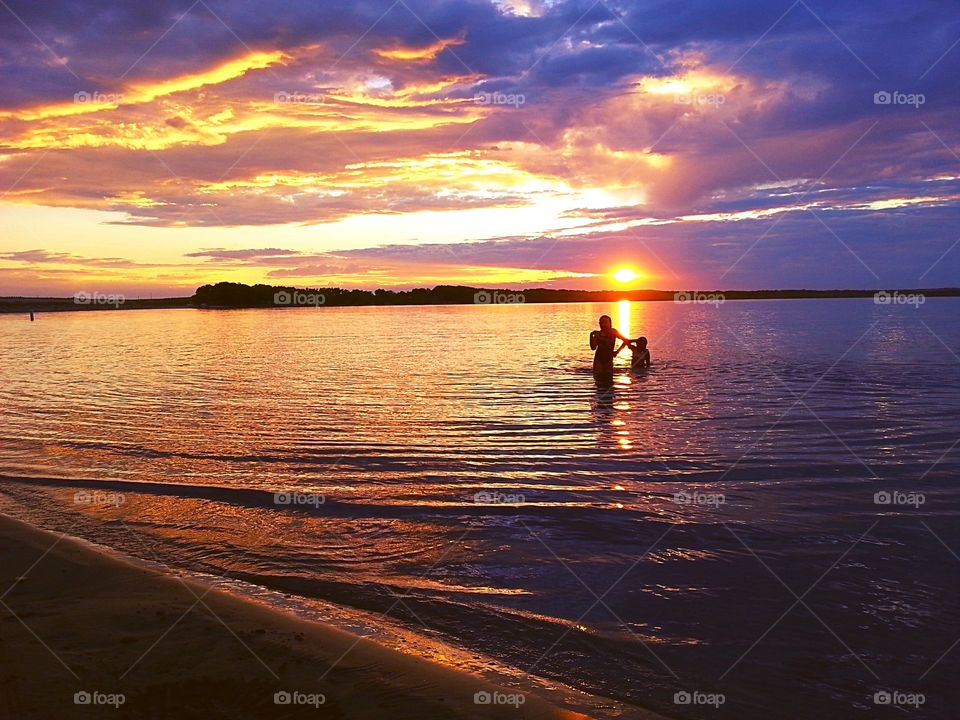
column 75, row 620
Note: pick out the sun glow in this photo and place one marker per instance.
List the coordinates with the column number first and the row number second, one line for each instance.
column 625, row 275
column 693, row 81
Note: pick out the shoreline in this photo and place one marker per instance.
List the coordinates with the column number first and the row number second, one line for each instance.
column 24, row 305
column 78, row 619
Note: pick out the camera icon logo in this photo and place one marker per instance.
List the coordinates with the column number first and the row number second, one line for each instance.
column 682, row 697
column 282, row 498
column 82, row 698
column 282, row 697
column 482, row 298
column 882, row 497
column 882, row 98
column 882, row 697
column 282, row 298
column 482, row 698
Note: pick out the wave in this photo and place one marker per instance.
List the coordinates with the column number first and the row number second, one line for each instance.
column 293, row 500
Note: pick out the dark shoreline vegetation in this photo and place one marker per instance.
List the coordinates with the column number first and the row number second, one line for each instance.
column 228, row 295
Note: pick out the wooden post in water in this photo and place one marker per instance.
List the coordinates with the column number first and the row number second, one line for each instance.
column 31, row 316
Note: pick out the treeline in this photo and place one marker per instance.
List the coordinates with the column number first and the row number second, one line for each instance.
column 228, row 294
column 238, row 295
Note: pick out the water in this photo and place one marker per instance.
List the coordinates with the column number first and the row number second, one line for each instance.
column 777, row 421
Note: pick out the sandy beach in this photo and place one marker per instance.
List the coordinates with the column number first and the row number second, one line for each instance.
column 135, row 643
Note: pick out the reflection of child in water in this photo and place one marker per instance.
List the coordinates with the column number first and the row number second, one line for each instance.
column 641, row 355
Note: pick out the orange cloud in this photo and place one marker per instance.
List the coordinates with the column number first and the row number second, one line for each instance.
column 411, row 54
column 85, row 102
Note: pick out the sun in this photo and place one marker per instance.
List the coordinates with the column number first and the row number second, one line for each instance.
column 625, row 275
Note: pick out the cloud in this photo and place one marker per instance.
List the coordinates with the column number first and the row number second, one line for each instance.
column 219, row 254
column 662, row 118
column 44, row 257
column 418, row 54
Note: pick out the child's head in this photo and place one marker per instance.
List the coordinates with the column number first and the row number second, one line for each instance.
column 641, row 343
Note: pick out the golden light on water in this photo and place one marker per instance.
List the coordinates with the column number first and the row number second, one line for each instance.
column 623, row 317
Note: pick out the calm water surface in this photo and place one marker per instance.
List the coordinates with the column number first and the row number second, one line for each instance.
column 709, row 525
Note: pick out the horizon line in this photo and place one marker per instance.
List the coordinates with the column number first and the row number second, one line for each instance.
column 513, row 290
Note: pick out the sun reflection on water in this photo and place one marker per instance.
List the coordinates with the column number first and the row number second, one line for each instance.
column 623, row 318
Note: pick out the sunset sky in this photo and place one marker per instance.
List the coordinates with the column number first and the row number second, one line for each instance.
column 148, row 148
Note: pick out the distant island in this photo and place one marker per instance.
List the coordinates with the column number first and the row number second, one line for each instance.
column 227, row 295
